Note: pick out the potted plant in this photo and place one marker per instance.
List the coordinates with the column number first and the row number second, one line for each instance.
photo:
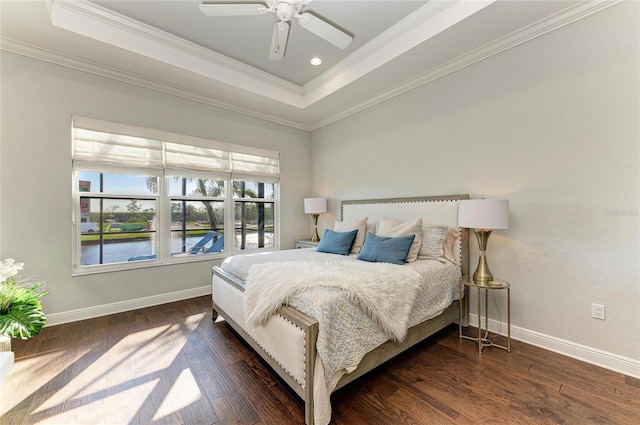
column 21, row 313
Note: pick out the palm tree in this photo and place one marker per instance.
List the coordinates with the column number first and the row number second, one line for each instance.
column 216, row 191
column 204, row 187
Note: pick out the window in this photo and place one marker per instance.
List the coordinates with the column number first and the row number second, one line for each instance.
column 117, row 215
column 197, row 209
column 144, row 197
column 254, row 208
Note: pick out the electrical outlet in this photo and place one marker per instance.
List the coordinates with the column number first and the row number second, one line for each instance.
column 597, row 311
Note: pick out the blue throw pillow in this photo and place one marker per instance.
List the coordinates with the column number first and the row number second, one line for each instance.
column 336, row 242
column 382, row 249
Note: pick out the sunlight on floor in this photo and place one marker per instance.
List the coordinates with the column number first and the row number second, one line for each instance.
column 127, row 383
column 182, row 393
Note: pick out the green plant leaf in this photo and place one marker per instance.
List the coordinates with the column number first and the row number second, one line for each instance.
column 24, row 319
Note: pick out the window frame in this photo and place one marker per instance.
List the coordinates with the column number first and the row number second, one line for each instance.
column 188, row 198
column 163, row 226
column 263, row 200
column 163, row 200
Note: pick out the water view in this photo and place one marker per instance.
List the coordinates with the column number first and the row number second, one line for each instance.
column 122, row 251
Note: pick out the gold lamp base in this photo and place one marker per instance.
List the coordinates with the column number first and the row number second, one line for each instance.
column 315, row 237
column 482, row 274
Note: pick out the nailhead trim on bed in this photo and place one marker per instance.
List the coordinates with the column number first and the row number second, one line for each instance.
column 242, row 289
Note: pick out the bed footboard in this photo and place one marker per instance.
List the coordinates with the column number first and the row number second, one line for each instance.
column 389, row 349
column 287, row 342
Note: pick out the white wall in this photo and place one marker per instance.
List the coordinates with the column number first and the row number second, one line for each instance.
column 551, row 125
column 37, row 102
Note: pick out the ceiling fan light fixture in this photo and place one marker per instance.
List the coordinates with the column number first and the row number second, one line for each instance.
column 284, row 11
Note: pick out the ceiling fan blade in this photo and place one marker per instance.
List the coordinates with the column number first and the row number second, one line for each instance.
column 232, row 9
column 325, row 30
column 279, row 41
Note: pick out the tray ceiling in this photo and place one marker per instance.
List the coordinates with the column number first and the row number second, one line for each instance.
column 223, row 61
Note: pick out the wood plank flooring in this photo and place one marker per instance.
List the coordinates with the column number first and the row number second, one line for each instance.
column 171, row 364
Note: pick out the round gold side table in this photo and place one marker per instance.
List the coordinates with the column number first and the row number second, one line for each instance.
column 483, row 339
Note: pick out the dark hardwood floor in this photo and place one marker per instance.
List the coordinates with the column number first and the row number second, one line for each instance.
column 171, row 364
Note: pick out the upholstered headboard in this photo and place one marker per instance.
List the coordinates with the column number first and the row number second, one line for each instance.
column 434, row 210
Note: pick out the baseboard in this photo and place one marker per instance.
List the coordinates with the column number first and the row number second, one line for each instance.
column 106, row 309
column 586, row 354
column 590, row 355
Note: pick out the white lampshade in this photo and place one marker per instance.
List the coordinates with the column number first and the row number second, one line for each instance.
column 483, row 213
column 315, row 205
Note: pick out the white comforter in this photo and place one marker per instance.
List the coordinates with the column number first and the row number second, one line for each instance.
column 384, row 292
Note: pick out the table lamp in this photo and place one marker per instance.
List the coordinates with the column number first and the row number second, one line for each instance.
column 483, row 216
column 315, row 207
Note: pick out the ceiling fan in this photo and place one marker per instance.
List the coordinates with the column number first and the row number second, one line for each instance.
column 284, row 10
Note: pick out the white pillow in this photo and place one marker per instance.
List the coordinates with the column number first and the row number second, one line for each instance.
column 392, row 228
column 360, row 225
column 452, row 236
column 433, row 241
column 371, row 228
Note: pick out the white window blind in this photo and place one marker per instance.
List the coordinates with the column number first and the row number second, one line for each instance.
column 97, row 144
column 194, row 161
column 95, row 149
column 253, row 167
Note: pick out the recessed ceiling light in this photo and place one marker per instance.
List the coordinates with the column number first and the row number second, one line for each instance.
column 316, row 61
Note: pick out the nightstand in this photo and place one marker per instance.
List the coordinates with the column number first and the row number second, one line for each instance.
column 306, row 243
column 496, row 284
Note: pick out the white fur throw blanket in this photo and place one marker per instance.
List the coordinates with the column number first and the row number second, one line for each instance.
column 386, row 292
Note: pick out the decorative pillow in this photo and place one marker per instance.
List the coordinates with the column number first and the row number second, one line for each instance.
column 393, row 228
column 381, row 249
column 371, row 228
column 433, row 241
column 452, row 235
column 337, row 243
column 359, row 225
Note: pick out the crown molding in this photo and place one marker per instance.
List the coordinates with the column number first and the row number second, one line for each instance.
column 418, row 27
column 381, row 41
column 57, row 58
column 99, row 23
column 102, row 24
column 516, row 38
column 560, row 19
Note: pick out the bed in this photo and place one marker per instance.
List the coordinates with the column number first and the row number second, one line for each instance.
column 317, row 357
